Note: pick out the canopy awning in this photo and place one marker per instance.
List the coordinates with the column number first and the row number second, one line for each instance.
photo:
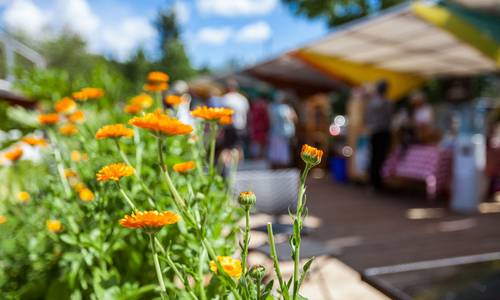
column 407, row 45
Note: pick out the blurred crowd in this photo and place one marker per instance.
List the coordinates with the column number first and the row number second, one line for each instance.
column 262, row 127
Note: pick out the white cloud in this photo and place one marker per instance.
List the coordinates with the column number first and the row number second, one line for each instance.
column 116, row 37
column 24, row 15
column 77, row 16
column 234, row 8
column 182, row 11
column 214, row 35
column 254, row 33
column 123, row 39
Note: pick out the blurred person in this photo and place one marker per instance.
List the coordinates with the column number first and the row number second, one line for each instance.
column 239, row 104
column 258, row 127
column 283, row 119
column 422, row 117
column 378, row 115
column 181, row 88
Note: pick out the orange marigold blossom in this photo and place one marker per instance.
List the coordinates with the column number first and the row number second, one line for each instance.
column 86, row 195
column 184, row 167
column 132, row 109
column 77, row 117
column 173, row 100
column 14, row 154
column 54, row 225
column 23, row 196
column 114, row 131
column 48, row 119
column 88, row 93
column 226, row 120
column 230, row 265
column 68, row 129
column 3, row 219
column 149, row 219
column 78, row 186
column 70, row 173
column 311, row 155
column 161, row 123
column 34, row 141
column 114, row 172
column 211, row 113
column 157, row 76
column 156, row 87
column 142, row 100
column 65, row 105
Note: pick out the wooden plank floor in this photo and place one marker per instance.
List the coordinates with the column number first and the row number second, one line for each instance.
column 373, row 230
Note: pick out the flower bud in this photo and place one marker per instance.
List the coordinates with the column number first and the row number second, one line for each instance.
column 247, row 199
column 310, row 155
column 257, row 272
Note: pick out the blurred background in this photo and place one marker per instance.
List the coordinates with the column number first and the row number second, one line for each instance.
column 403, row 97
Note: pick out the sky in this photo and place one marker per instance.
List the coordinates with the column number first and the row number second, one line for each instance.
column 214, row 31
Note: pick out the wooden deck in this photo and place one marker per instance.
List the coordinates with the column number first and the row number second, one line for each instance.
column 375, row 230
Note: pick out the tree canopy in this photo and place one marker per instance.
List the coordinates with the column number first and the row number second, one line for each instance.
column 337, row 12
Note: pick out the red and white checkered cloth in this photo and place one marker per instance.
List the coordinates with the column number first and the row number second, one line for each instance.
column 430, row 164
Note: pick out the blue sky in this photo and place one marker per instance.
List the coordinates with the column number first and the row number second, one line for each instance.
column 214, row 31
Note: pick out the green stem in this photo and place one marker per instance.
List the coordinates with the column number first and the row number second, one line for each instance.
column 159, row 275
column 211, row 166
column 297, row 224
column 136, row 175
column 201, row 263
column 59, row 163
column 179, row 274
column 246, row 241
column 126, row 197
column 274, row 256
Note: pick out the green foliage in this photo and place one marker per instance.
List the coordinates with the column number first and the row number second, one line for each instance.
column 174, row 59
column 337, row 12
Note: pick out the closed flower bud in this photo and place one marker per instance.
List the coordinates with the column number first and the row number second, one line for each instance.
column 311, row 155
column 257, row 272
column 247, row 199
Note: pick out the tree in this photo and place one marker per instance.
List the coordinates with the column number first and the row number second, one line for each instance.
column 337, row 12
column 174, row 59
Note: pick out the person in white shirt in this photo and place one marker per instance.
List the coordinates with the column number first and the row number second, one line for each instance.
column 239, row 103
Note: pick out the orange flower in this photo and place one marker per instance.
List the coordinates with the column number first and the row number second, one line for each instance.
column 226, row 120
column 23, row 196
column 157, row 76
column 76, row 156
column 132, row 109
column 86, row 195
column 54, row 225
column 3, row 219
column 114, row 172
column 211, row 113
column 310, row 155
column 156, row 87
column 114, row 131
column 68, row 129
column 230, row 265
column 173, row 100
column 149, row 219
column 184, row 167
column 160, row 122
column 79, row 186
column 65, row 105
column 14, row 154
column 48, row 119
column 77, row 117
column 70, row 173
column 79, row 95
column 88, row 93
column 34, row 141
column 142, row 100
